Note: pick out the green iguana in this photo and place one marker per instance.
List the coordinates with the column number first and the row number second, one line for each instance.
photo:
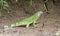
column 28, row 21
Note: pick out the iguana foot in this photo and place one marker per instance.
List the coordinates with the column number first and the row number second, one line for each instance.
column 27, row 26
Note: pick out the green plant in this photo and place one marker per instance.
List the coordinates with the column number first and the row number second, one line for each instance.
column 30, row 2
column 45, row 6
column 3, row 5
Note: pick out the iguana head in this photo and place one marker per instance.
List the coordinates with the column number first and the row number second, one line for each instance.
column 39, row 13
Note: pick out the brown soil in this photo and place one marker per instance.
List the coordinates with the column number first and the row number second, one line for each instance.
column 48, row 24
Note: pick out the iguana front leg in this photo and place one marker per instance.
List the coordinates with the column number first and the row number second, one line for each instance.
column 27, row 26
column 34, row 23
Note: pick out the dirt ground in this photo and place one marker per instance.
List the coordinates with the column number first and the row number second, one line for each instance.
column 49, row 23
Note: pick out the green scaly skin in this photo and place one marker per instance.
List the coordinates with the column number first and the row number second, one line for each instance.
column 28, row 20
